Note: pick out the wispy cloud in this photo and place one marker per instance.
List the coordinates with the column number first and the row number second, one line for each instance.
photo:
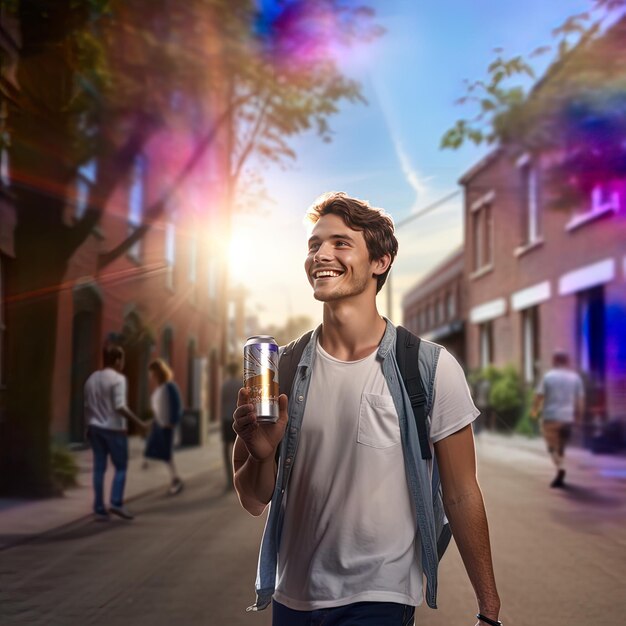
column 413, row 177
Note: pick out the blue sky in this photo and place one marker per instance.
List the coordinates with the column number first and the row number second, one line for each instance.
column 388, row 151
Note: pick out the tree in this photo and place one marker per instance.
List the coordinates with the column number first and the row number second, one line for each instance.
column 577, row 109
column 94, row 80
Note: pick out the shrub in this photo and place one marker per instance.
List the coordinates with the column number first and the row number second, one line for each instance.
column 64, row 468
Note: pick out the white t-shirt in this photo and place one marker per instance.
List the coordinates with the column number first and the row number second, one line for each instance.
column 350, row 529
column 160, row 405
column 105, row 393
column 561, row 389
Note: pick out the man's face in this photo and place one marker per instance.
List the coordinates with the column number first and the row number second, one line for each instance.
column 338, row 263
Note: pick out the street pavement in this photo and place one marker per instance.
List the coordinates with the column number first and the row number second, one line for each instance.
column 191, row 559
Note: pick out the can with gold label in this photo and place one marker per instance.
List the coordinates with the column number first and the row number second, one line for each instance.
column 260, row 376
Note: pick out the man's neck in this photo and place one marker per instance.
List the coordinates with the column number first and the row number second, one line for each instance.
column 350, row 331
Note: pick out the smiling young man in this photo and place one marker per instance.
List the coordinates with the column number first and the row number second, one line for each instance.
column 354, row 519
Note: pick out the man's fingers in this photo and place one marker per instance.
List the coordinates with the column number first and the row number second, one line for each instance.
column 242, row 410
column 283, row 414
column 243, row 396
column 244, row 415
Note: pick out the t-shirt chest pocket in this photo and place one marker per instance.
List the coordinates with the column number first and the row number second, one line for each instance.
column 378, row 421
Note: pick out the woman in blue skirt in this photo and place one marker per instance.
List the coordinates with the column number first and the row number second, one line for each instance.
column 166, row 408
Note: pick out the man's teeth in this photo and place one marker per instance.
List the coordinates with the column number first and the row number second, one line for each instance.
column 327, row 273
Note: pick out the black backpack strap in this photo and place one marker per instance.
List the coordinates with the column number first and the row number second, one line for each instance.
column 288, row 365
column 289, row 359
column 407, row 355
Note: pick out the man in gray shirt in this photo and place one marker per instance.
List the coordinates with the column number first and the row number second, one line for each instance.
column 560, row 397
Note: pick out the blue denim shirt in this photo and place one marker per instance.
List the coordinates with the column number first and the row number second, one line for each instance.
column 424, row 491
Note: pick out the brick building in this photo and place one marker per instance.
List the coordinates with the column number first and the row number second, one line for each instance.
column 540, row 279
column 435, row 308
column 164, row 296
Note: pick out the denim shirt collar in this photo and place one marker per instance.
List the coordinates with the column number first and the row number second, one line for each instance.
column 387, row 344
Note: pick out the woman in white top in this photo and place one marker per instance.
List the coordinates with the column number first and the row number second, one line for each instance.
column 166, row 408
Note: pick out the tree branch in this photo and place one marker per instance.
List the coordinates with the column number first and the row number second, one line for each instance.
column 109, row 174
column 156, row 209
column 251, row 141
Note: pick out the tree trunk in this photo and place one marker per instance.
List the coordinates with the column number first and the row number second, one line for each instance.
column 31, row 319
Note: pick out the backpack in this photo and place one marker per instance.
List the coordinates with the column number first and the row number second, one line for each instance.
column 407, row 355
column 175, row 402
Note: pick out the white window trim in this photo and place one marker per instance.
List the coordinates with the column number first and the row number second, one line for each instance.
column 528, row 335
column 522, row 250
column 485, row 269
column 531, row 296
column 487, row 198
column 488, row 311
column 532, row 235
column 486, row 344
column 587, row 277
column 170, row 255
column 192, row 274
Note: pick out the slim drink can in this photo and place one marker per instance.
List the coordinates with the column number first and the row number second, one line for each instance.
column 260, row 376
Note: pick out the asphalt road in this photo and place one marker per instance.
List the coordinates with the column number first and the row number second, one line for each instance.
column 191, row 560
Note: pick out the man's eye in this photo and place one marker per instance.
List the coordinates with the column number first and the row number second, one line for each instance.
column 313, row 246
column 341, row 243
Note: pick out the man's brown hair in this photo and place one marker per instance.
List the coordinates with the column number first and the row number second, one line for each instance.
column 375, row 224
column 111, row 355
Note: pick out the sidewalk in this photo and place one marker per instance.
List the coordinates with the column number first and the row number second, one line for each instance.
column 21, row 520
column 605, row 465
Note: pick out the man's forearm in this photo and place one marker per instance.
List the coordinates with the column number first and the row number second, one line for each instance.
column 254, row 483
column 129, row 415
column 468, row 521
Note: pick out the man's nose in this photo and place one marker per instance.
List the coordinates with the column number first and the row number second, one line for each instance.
column 323, row 253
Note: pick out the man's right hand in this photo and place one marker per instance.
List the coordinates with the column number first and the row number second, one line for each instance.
column 260, row 438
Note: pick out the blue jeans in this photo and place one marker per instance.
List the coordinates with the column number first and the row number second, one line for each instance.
column 114, row 444
column 357, row 614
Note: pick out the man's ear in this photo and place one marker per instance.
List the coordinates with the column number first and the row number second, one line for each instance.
column 381, row 265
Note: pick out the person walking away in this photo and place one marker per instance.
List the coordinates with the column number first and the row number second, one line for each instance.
column 107, row 415
column 560, row 398
column 167, row 408
column 230, row 390
column 356, row 484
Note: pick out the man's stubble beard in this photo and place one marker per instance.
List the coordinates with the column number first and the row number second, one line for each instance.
column 356, row 288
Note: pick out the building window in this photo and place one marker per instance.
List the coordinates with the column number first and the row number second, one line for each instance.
column 604, row 200
column 167, row 346
column 212, row 276
column 482, row 232
column 486, row 344
column 431, row 315
column 441, row 311
column 85, row 180
column 170, row 254
column 592, row 335
column 193, row 260
column 531, row 226
column 451, row 305
column 136, row 201
column 530, row 344
column 5, row 179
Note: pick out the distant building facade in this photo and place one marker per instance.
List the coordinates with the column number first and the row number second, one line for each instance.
column 435, row 308
column 162, row 297
column 540, row 279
